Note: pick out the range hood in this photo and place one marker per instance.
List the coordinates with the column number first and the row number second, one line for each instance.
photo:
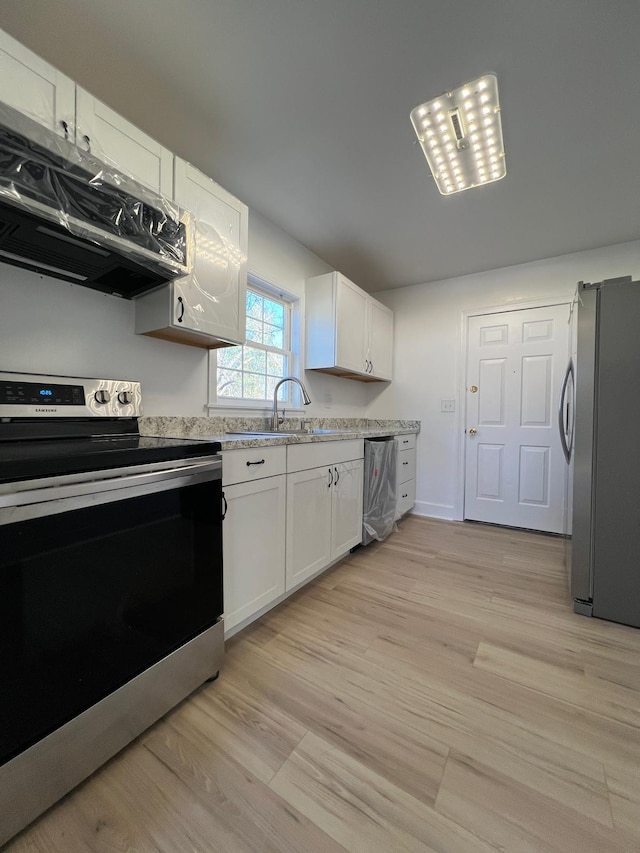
column 66, row 214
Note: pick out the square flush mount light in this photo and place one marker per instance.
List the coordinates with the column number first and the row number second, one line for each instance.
column 461, row 136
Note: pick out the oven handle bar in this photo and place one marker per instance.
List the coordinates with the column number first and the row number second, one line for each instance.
column 72, row 486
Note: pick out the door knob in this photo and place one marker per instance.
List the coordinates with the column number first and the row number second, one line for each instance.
column 473, row 431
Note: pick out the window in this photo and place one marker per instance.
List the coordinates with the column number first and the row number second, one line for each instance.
column 250, row 372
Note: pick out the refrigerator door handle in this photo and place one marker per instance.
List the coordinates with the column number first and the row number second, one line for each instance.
column 571, row 422
column 562, row 426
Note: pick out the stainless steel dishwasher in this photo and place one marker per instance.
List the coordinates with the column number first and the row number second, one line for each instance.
column 380, row 497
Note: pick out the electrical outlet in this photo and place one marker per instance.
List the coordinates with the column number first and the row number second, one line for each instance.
column 447, row 405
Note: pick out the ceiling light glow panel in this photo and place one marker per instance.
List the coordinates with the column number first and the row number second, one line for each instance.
column 461, row 136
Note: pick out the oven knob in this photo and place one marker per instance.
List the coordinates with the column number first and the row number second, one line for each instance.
column 125, row 397
column 102, row 396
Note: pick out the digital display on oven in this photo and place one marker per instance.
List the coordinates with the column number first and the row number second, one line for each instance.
column 31, row 393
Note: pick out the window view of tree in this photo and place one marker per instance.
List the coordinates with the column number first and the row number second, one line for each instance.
column 251, row 372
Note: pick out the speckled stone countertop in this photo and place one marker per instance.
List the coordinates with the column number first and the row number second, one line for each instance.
column 222, row 429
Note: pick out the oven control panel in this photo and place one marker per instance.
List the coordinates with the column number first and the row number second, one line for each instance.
column 26, row 395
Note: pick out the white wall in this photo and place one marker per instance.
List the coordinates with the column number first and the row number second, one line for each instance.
column 428, row 346
column 49, row 326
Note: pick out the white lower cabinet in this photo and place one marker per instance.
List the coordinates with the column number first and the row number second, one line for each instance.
column 254, row 488
column 254, row 547
column 405, row 473
column 280, row 530
column 346, row 507
column 309, row 513
column 324, row 507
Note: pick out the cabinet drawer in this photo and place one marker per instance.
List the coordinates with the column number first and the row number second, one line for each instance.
column 406, row 469
column 301, row 457
column 406, row 442
column 406, row 497
column 252, row 463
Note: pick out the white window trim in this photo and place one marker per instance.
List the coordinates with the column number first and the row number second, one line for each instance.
column 259, row 407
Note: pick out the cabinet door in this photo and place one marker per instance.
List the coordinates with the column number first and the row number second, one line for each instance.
column 254, row 547
column 308, row 523
column 214, row 295
column 351, row 322
column 31, row 85
column 380, row 340
column 406, row 497
column 346, row 509
column 123, row 146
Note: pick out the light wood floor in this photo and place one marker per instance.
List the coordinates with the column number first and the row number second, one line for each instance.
column 433, row 692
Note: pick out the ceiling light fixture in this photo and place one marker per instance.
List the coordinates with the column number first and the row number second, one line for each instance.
column 453, row 117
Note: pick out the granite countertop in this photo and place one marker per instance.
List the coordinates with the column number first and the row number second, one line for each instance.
column 222, row 430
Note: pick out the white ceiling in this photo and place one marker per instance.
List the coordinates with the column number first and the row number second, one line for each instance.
column 301, row 109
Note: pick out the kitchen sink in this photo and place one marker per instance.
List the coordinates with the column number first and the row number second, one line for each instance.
column 268, row 433
column 262, row 433
column 332, row 431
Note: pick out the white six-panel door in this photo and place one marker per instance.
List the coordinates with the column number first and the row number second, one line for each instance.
column 515, row 468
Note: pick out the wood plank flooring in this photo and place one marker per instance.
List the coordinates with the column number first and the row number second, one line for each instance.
column 434, row 692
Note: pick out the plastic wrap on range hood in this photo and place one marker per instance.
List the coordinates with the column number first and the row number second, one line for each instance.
column 66, row 214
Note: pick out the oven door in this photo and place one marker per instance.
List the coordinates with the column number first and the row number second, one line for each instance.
column 102, row 575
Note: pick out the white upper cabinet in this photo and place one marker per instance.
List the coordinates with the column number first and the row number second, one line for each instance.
column 348, row 332
column 351, row 329
column 31, row 85
column 214, row 297
column 380, row 340
column 39, row 90
column 207, row 307
column 122, row 145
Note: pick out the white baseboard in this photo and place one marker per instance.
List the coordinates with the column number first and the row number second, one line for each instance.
column 431, row 510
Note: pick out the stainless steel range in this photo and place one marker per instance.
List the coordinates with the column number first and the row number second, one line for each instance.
column 110, row 581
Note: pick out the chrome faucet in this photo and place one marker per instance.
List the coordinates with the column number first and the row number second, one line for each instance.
column 276, row 420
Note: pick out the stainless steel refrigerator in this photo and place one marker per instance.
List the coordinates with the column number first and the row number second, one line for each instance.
column 605, row 552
